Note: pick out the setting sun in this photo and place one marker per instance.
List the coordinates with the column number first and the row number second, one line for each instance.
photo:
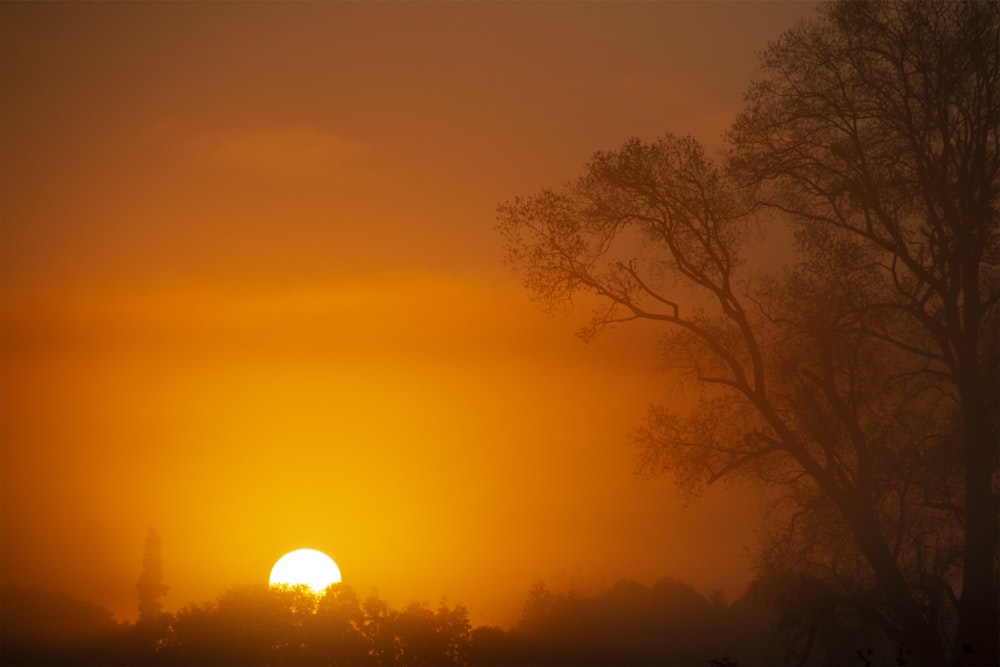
column 305, row 566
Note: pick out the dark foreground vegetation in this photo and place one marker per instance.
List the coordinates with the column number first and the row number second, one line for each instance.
column 668, row 623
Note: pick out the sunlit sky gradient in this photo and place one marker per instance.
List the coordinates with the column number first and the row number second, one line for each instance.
column 252, row 296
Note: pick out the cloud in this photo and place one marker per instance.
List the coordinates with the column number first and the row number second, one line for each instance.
column 288, row 149
column 278, row 149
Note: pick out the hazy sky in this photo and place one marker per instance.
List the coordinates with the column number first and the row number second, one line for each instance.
column 252, row 295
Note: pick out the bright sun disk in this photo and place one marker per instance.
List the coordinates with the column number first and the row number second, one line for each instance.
column 305, row 566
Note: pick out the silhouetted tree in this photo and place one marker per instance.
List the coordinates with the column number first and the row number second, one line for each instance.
column 291, row 625
column 41, row 627
column 428, row 638
column 748, row 633
column 379, row 631
column 452, row 625
column 491, row 646
column 859, row 385
column 250, row 625
column 881, row 123
column 149, row 632
column 150, row 585
column 628, row 624
column 339, row 621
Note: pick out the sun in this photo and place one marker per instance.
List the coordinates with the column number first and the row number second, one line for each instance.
column 305, row 566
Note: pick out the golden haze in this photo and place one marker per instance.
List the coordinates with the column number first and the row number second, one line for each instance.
column 252, row 296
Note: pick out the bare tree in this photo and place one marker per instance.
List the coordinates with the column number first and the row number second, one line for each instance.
column 883, row 121
column 862, row 382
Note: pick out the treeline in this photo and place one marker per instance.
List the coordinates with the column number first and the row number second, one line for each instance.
column 628, row 624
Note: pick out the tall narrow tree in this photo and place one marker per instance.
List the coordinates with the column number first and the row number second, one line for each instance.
column 150, row 585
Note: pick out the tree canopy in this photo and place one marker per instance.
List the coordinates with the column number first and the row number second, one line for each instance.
column 857, row 382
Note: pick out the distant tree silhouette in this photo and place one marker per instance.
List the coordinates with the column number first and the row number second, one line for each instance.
column 491, row 646
column 150, row 585
column 427, row 638
column 40, row 627
column 814, row 623
column 339, row 620
column 148, row 634
column 250, row 625
column 290, row 625
column 453, row 627
column 627, row 624
column 379, row 631
column 858, row 385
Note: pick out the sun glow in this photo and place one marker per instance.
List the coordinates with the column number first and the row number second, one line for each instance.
column 305, row 566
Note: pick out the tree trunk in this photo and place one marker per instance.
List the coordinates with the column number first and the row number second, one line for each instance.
column 978, row 616
column 917, row 631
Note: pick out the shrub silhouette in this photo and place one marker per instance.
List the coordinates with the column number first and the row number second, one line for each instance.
column 40, row 627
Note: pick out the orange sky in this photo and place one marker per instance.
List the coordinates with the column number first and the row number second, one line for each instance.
column 252, row 295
